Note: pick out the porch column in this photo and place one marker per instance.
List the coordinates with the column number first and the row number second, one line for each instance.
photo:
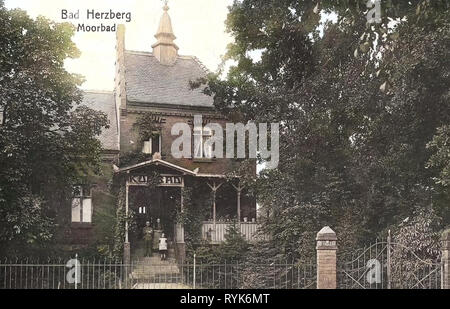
column 180, row 226
column 214, row 208
column 238, row 190
column 214, row 189
column 181, row 199
column 180, row 246
column 126, row 246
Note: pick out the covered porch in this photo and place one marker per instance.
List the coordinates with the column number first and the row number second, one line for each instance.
column 223, row 200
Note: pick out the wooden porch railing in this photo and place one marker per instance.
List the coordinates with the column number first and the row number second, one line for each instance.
column 216, row 233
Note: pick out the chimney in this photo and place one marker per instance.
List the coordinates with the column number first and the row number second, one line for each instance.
column 165, row 50
column 121, row 102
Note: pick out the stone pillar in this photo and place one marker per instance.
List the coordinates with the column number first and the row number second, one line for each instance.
column 326, row 258
column 446, row 259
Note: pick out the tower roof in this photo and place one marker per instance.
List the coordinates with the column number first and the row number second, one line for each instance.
column 165, row 25
column 165, row 49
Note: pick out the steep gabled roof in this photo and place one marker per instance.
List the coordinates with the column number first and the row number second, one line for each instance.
column 149, row 81
column 104, row 101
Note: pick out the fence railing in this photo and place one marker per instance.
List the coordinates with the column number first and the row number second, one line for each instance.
column 109, row 274
column 215, row 233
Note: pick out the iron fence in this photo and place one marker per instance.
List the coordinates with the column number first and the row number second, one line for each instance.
column 110, row 274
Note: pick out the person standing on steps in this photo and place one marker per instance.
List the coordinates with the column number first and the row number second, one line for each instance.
column 163, row 247
column 148, row 238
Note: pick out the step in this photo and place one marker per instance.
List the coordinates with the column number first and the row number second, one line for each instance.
column 161, row 286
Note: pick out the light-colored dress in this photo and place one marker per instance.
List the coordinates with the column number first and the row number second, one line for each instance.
column 163, row 243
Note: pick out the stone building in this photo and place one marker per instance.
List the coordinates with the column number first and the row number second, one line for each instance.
column 155, row 87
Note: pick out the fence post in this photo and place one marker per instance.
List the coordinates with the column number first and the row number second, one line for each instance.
column 194, row 275
column 126, row 253
column 388, row 259
column 76, row 271
column 445, row 284
column 326, row 258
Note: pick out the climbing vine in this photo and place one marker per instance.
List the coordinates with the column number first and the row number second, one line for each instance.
column 121, row 218
column 195, row 210
column 146, row 126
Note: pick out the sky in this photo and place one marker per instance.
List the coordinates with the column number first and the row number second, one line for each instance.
column 197, row 24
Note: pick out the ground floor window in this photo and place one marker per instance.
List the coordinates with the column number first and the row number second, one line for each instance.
column 81, row 204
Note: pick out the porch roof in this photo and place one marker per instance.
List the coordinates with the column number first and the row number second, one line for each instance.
column 169, row 165
column 156, row 162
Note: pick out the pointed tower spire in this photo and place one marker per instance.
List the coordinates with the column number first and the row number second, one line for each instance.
column 165, row 50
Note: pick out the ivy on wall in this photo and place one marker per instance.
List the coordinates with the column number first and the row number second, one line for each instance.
column 146, row 127
column 121, row 219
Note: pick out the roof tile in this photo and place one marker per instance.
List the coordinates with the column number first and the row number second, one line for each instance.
column 104, row 101
column 149, row 81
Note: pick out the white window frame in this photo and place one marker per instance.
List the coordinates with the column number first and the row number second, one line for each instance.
column 147, row 148
column 81, row 205
column 205, row 153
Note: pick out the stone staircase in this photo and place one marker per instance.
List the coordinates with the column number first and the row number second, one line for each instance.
column 152, row 273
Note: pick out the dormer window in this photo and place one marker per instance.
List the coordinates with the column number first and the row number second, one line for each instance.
column 153, row 144
column 81, row 204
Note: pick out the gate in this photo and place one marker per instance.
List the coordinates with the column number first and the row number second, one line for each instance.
column 387, row 265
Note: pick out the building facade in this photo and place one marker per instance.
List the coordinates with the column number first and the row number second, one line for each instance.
column 152, row 94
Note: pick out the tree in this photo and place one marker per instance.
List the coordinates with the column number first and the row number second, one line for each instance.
column 47, row 140
column 357, row 107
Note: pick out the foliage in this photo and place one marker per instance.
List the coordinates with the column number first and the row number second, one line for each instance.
column 357, row 106
column 441, row 157
column 235, row 247
column 194, row 211
column 420, row 233
column 47, row 141
column 121, row 219
column 416, row 246
column 146, row 126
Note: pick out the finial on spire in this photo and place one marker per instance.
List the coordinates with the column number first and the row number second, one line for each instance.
column 165, row 49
